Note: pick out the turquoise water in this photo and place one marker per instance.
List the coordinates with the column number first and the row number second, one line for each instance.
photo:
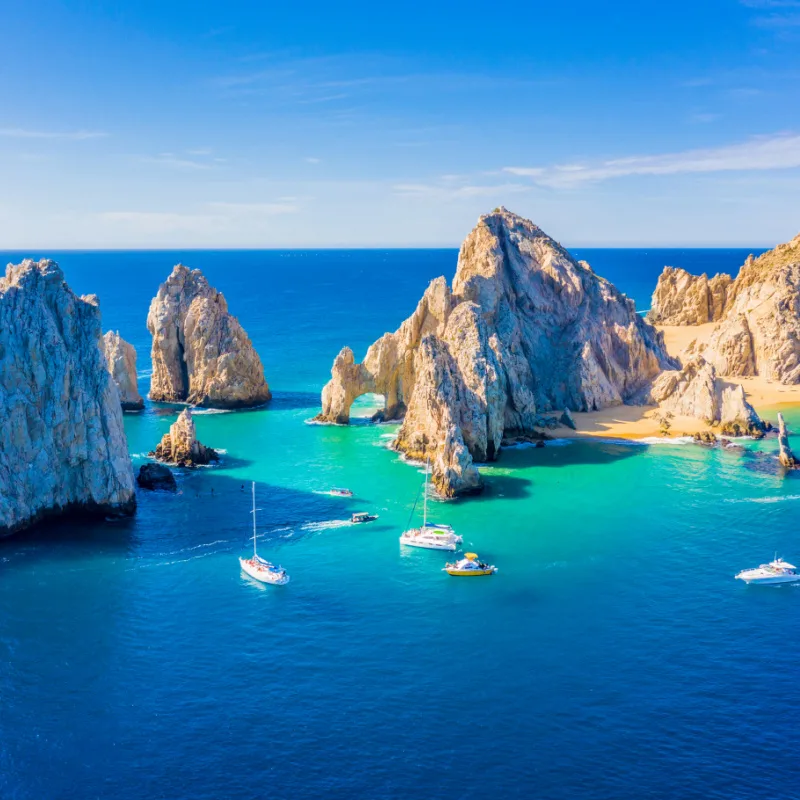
column 613, row 655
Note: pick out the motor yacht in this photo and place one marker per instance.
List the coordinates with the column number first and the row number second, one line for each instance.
column 469, row 566
column 777, row 571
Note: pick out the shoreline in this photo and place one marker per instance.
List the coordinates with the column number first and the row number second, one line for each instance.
column 641, row 422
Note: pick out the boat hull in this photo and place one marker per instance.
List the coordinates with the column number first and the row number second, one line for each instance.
column 767, row 580
column 470, row 573
column 428, row 545
column 263, row 575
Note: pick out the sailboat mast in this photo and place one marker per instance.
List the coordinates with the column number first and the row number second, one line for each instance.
column 425, row 499
column 254, row 519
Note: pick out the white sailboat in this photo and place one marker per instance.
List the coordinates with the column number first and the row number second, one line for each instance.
column 259, row 568
column 430, row 536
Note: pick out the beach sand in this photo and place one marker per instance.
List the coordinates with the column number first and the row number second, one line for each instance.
column 640, row 422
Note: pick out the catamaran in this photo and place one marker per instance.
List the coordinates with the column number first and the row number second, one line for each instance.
column 430, row 536
column 257, row 567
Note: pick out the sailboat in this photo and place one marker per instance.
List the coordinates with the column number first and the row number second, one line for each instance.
column 430, row 536
column 257, row 567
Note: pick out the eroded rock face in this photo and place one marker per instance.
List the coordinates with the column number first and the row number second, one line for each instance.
column 181, row 447
column 526, row 329
column 694, row 390
column 121, row 360
column 62, row 444
column 201, row 354
column 681, row 298
column 758, row 330
column 785, row 455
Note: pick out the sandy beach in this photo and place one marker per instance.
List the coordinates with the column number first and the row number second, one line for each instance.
column 640, row 422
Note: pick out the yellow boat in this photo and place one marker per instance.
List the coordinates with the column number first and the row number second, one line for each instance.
column 469, row 566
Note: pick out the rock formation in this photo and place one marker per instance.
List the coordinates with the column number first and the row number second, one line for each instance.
column 785, row 455
column 758, row 330
column 156, row 476
column 201, row 354
column 180, row 445
column 694, row 390
column 681, row 298
column 121, row 360
column 62, row 443
column 525, row 329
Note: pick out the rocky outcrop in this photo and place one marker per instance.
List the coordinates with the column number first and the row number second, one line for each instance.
column 785, row 455
column 121, row 360
column 681, row 298
column 758, row 330
column 156, row 477
column 180, row 445
column 525, row 330
column 694, row 390
column 201, row 354
column 62, row 444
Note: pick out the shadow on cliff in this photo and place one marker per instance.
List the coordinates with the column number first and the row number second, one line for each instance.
column 209, row 513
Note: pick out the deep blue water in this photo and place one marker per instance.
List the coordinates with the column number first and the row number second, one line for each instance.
column 613, row 655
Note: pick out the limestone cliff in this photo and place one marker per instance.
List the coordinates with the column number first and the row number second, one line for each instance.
column 201, row 354
column 785, row 455
column 121, row 360
column 525, row 329
column 758, row 330
column 681, row 298
column 180, row 446
column 62, row 443
column 694, row 390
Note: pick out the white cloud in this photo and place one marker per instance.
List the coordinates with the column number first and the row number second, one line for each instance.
column 450, row 192
column 260, row 209
column 761, row 153
column 24, row 133
column 159, row 222
column 176, row 162
column 313, row 160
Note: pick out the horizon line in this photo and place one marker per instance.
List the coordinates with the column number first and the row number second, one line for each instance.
column 343, row 248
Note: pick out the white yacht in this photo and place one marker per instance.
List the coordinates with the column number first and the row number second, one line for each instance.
column 777, row 571
column 259, row 568
column 430, row 536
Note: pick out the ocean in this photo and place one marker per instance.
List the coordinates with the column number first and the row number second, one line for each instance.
column 612, row 656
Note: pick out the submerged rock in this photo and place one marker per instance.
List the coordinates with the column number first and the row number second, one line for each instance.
column 181, row 447
column 155, row 477
column 694, row 390
column 62, row 443
column 201, row 354
column 525, row 330
column 121, row 360
column 785, row 455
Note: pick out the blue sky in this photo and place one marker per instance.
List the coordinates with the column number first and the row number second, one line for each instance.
column 258, row 124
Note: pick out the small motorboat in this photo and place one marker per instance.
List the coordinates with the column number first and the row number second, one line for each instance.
column 257, row 567
column 777, row 571
column 363, row 516
column 430, row 536
column 469, row 566
column 341, row 493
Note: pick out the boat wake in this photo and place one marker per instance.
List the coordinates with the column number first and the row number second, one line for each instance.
column 776, row 499
column 326, row 525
